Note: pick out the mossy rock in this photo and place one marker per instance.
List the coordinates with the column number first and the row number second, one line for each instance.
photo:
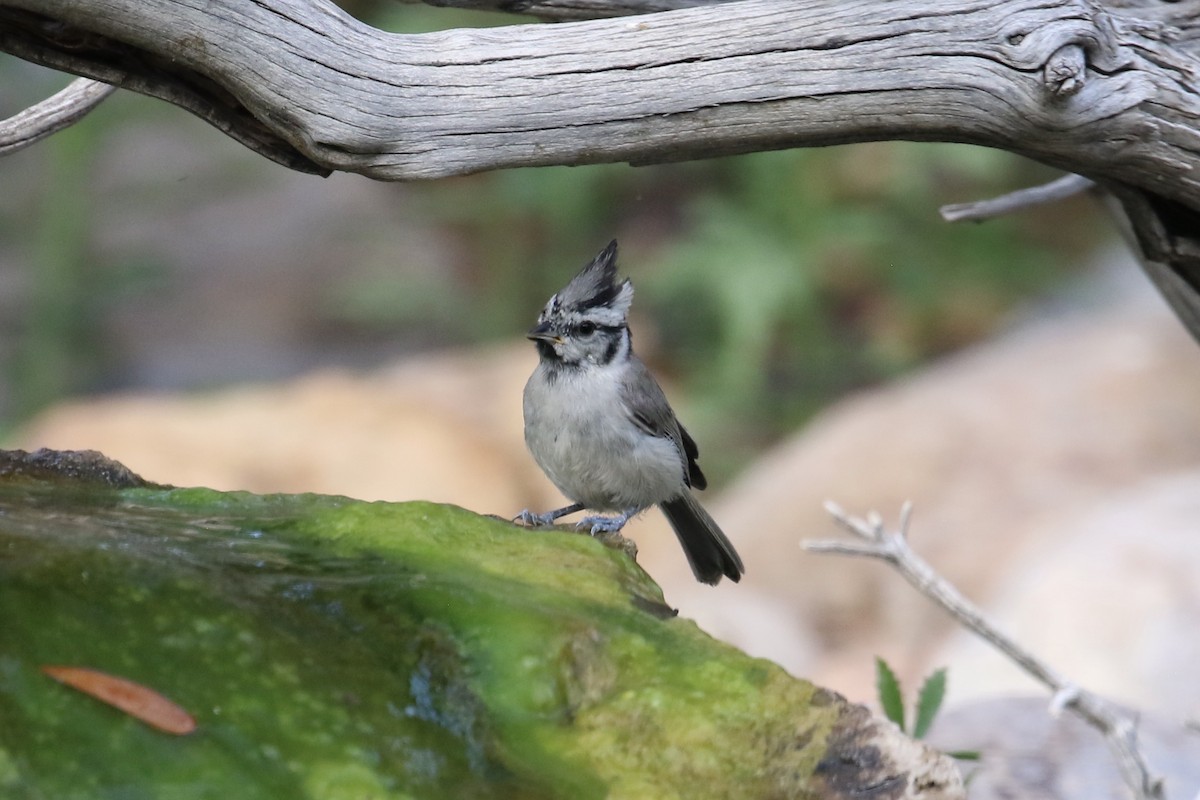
column 330, row 648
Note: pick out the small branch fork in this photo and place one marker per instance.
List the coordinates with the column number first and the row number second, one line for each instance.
column 52, row 114
column 892, row 547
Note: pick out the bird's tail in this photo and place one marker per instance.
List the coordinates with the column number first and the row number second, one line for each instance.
column 709, row 552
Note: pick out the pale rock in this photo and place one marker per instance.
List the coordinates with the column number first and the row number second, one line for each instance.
column 443, row 428
column 1029, row 754
column 1110, row 596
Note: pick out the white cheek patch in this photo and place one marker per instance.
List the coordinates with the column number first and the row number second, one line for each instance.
column 603, row 317
column 623, row 300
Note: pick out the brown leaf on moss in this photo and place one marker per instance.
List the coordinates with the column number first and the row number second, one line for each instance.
column 134, row 699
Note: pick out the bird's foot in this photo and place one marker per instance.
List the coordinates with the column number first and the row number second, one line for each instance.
column 601, row 524
column 531, row 519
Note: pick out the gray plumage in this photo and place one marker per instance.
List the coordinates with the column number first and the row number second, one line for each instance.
column 600, row 427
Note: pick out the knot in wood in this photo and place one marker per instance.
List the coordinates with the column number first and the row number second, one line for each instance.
column 1066, row 71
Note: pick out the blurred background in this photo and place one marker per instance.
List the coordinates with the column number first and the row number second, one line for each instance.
column 143, row 249
column 210, row 318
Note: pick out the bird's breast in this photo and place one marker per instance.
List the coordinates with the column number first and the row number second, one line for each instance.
column 581, row 436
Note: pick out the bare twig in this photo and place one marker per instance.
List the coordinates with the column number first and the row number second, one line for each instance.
column 1021, row 199
column 892, row 547
column 52, row 114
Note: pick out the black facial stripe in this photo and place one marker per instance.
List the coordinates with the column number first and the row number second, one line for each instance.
column 610, row 352
column 609, row 329
column 618, row 345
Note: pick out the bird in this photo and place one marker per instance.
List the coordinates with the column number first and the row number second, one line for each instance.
column 600, row 427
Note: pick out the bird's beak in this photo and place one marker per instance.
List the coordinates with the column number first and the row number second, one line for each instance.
column 543, row 333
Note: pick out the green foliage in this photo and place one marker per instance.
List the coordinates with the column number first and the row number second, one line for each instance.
column 805, row 274
column 55, row 354
column 891, row 699
column 57, row 346
column 929, row 702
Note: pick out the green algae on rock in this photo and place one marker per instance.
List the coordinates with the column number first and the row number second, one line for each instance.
column 330, row 648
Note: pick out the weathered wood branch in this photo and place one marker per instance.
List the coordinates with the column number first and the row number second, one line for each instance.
column 53, row 43
column 1068, row 83
column 1058, row 189
column 51, row 115
column 573, row 9
column 1180, row 14
column 1109, row 92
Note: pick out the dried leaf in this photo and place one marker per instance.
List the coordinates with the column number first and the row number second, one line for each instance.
column 134, row 699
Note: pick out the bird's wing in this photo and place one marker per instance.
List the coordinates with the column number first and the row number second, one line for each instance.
column 695, row 476
column 648, row 408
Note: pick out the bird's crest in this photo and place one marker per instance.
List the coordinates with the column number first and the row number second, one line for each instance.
column 595, row 292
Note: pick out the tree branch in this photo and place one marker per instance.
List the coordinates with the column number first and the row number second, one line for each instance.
column 150, row 71
column 563, row 10
column 1067, row 82
column 1052, row 192
column 56, row 112
column 1179, row 14
column 892, row 547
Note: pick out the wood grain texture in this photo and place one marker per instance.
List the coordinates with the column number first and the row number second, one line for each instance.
column 658, row 87
column 572, row 9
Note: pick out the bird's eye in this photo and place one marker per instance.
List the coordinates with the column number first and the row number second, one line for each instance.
column 587, row 328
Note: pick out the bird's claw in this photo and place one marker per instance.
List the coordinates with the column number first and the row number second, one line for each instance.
column 600, row 524
column 531, row 519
